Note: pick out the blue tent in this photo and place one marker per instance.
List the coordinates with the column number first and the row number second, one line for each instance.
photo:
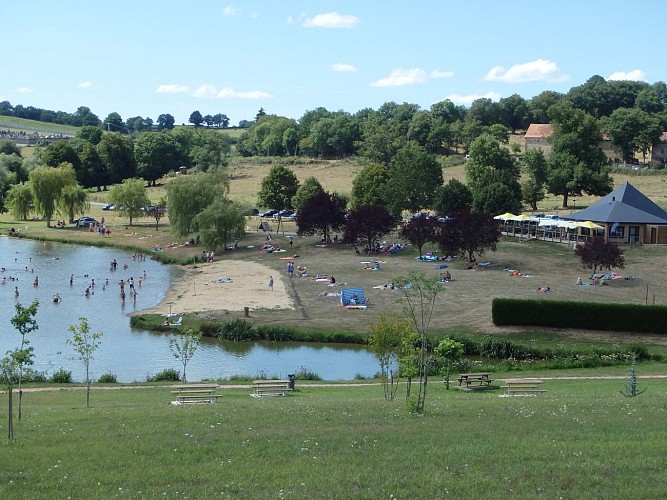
column 347, row 293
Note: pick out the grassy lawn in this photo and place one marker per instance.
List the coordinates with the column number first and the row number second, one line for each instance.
column 581, row 438
column 22, row 124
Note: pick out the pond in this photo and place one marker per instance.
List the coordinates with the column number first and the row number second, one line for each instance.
column 132, row 354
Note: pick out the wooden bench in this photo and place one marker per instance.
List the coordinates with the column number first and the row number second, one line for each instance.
column 263, row 388
column 475, row 380
column 195, row 394
column 524, row 387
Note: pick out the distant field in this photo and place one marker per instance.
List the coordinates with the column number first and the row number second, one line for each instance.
column 30, row 126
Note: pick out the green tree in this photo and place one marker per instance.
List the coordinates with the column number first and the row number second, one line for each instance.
column 47, row 184
column 310, row 187
column 188, row 195
column 116, row 153
column 369, row 186
column 535, row 166
column 493, row 177
column 184, row 348
column 114, row 123
column 89, row 133
column 196, row 119
column 514, row 112
column 73, row 200
column 24, row 322
column 219, row 223
column 58, row 152
column 130, row 198
column 452, row 197
column 419, row 295
column 85, row 343
column 165, row 122
column 576, row 164
column 413, row 176
column 209, row 149
column 9, row 377
column 384, row 341
column 20, row 200
column 278, row 188
column 156, row 153
column 450, row 351
column 632, row 130
column 9, row 147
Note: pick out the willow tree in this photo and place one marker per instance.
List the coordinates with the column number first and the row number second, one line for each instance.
column 19, row 200
column 47, row 184
column 219, row 223
column 73, row 200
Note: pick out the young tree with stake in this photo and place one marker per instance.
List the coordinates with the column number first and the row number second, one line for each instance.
column 85, row 344
column 184, row 347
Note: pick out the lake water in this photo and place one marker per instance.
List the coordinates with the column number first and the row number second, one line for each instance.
column 130, row 354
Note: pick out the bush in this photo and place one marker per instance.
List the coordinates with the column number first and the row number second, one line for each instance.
column 61, row 376
column 166, row 375
column 237, row 330
column 107, row 378
column 305, row 373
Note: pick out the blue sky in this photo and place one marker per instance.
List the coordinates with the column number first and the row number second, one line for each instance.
column 147, row 57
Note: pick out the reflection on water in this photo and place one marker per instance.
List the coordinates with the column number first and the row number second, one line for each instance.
column 132, row 355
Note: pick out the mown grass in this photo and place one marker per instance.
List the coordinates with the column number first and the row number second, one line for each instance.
column 30, row 126
column 582, row 438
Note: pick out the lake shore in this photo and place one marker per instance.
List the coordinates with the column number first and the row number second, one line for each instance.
column 228, row 285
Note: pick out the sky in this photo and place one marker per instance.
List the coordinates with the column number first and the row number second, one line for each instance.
column 149, row 57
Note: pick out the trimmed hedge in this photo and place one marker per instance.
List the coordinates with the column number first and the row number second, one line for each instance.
column 584, row 315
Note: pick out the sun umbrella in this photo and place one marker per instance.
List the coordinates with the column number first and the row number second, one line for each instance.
column 590, row 225
column 522, row 217
column 505, row 216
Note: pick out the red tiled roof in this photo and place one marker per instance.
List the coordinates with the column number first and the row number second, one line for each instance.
column 538, row 131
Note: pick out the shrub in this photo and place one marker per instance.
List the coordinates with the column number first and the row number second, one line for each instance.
column 304, row 373
column 237, row 330
column 166, row 375
column 107, row 378
column 61, row 376
column 30, row 375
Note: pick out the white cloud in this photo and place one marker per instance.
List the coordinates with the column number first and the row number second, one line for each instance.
column 230, row 10
column 636, row 75
column 173, row 89
column 331, row 20
column 343, row 68
column 205, row 92
column 85, row 85
column 535, row 71
column 230, row 93
column 24, row 90
column 467, row 100
column 404, row 77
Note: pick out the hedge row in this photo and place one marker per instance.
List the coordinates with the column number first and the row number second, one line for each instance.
column 584, row 315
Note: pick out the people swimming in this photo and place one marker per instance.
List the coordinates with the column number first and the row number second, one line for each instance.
column 57, row 298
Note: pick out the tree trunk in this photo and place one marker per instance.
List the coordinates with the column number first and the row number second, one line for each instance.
column 10, row 413
column 565, row 196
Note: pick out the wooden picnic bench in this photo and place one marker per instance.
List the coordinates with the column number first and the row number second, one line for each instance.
column 523, row 386
column 271, row 388
column 195, row 394
column 475, row 380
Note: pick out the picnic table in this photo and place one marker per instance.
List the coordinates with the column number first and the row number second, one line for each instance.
column 195, row 394
column 474, row 380
column 523, row 386
column 271, row 388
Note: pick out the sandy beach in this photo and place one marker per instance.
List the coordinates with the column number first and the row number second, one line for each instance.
column 224, row 285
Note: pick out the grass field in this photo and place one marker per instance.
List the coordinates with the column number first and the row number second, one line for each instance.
column 30, row 126
column 581, row 439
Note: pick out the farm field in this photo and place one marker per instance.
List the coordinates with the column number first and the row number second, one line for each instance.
column 580, row 439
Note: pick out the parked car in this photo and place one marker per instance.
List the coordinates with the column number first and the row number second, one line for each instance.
column 269, row 213
column 108, row 206
column 84, row 221
column 285, row 213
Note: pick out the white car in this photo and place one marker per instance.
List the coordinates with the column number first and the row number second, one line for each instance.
column 84, row 221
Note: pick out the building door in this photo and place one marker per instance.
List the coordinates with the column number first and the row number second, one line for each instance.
column 633, row 233
column 654, row 237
